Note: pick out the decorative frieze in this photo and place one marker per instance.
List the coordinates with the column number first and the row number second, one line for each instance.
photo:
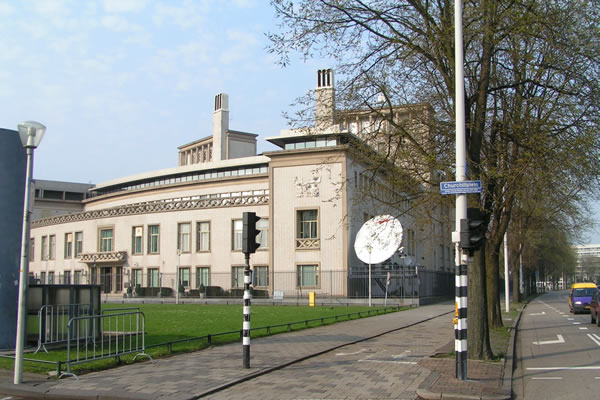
column 159, row 206
column 307, row 188
column 105, row 257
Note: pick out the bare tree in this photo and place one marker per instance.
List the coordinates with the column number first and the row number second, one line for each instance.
column 531, row 96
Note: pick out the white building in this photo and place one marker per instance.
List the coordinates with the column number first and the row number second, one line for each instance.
column 587, row 254
column 187, row 220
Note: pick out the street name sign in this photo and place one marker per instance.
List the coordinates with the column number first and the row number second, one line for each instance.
column 460, row 187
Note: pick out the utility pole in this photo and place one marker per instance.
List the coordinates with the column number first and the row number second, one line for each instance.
column 461, row 258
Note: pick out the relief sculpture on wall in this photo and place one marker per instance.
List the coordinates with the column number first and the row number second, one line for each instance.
column 307, row 187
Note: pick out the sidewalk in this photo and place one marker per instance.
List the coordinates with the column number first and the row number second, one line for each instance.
column 378, row 357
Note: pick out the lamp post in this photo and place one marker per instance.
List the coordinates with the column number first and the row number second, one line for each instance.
column 31, row 134
column 177, row 277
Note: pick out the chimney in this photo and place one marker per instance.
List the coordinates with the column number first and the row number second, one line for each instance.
column 220, row 127
column 325, row 99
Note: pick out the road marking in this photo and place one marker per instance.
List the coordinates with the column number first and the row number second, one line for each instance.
column 547, row 378
column 350, row 354
column 595, row 338
column 570, row 319
column 583, row 328
column 576, row 323
column 562, row 368
column 539, row 313
column 388, row 361
column 559, row 340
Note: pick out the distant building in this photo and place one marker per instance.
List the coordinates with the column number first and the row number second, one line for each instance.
column 588, row 263
column 184, row 224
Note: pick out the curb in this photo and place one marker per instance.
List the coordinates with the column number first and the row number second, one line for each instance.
column 506, row 378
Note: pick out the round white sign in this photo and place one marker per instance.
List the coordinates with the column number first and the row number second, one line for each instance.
column 378, row 239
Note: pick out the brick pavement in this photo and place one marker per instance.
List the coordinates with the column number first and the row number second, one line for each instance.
column 383, row 357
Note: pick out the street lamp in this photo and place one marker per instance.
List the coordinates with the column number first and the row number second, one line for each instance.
column 178, row 277
column 31, row 134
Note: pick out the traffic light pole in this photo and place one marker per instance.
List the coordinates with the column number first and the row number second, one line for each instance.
column 246, row 325
column 461, row 258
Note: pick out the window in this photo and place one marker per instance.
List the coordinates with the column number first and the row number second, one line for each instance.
column 237, row 277
column 263, row 237
column 307, row 232
column 261, row 276
column 51, row 278
column 307, row 224
column 106, row 240
column 31, row 249
column 136, row 277
column 202, row 276
column 308, row 276
column 78, row 243
column 153, row 278
column 43, row 277
column 44, row 248
column 77, row 278
column 184, row 276
column 52, row 252
column 184, row 236
column 67, row 277
column 68, row 245
column 237, row 235
column 203, row 236
column 137, row 233
column 153, row 239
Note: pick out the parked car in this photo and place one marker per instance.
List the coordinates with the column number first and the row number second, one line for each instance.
column 581, row 297
column 595, row 308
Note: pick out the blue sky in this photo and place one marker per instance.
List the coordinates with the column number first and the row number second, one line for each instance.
column 120, row 84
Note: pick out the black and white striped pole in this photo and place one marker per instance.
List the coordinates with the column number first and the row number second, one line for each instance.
column 249, row 245
column 460, row 322
column 246, row 324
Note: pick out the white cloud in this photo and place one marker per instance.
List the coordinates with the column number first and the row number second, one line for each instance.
column 241, row 48
column 117, row 23
column 6, row 10
column 187, row 16
column 243, row 3
column 52, row 8
column 124, row 6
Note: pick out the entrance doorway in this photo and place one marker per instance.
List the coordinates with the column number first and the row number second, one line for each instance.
column 106, row 279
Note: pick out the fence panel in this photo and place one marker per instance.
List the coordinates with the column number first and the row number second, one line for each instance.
column 53, row 322
column 109, row 335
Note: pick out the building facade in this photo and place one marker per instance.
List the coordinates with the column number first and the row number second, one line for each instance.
column 182, row 226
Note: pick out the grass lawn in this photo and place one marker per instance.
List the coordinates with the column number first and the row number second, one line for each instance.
column 171, row 322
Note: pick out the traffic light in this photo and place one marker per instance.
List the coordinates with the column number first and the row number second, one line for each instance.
column 472, row 230
column 249, row 233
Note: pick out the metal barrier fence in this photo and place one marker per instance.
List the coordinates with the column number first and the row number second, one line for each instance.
column 408, row 283
column 98, row 337
column 53, row 322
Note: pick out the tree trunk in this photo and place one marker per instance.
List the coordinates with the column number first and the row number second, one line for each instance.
column 492, row 278
column 514, row 268
column 478, row 338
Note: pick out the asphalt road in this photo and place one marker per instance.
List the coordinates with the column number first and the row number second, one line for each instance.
column 558, row 353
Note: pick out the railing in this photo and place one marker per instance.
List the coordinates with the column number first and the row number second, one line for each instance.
column 404, row 283
column 53, row 323
column 97, row 337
